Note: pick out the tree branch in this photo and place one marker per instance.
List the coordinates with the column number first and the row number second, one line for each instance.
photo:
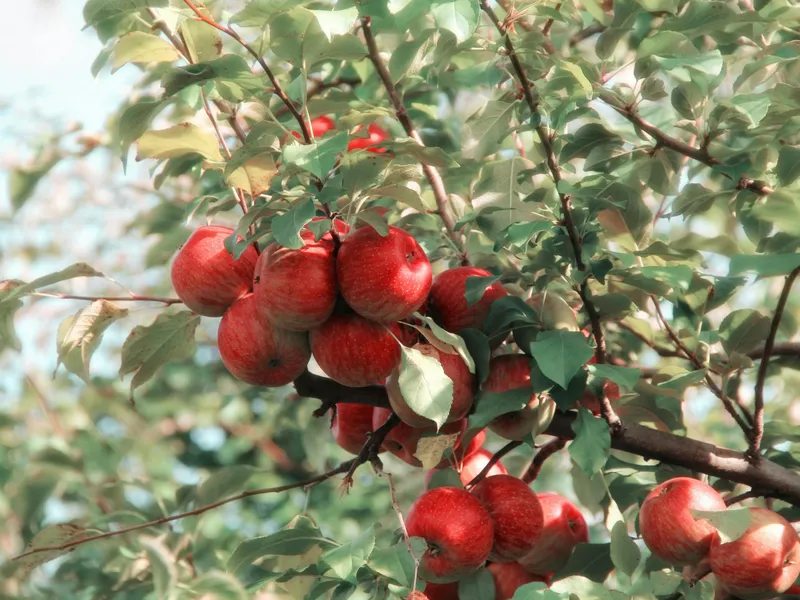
column 492, row 462
column 758, row 425
column 133, row 298
column 545, row 452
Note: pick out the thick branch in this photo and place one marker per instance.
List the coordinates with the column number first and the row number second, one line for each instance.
column 545, row 452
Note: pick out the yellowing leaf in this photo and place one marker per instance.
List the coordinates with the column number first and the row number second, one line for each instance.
column 254, row 175
column 430, row 449
column 178, row 140
column 140, row 47
column 52, row 535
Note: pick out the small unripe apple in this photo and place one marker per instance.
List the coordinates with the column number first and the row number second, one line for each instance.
column 257, row 352
column 402, row 440
column 206, row 277
column 376, row 135
column 508, row 576
column 564, row 528
column 458, row 531
column 509, row 372
column 383, row 278
column 763, row 562
column 448, row 304
column 668, row 526
column 354, row 351
column 463, row 388
column 351, row 426
column 516, row 516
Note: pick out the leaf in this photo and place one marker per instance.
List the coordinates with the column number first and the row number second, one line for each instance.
column 742, row 330
column 478, row 346
column 765, row 265
column 255, row 174
column 97, row 11
column 560, row 354
column 317, row 158
column 592, row 444
column 80, row 334
column 178, row 140
column 346, row 560
column 140, row 47
column 374, row 219
column 134, row 122
column 396, row 563
column 731, row 523
column 336, row 22
column 491, row 125
column 476, row 286
column 592, row 561
column 258, row 13
column 430, row 449
column 753, row 107
column 495, row 404
column 22, row 181
column 51, row 535
column 477, row 586
column 499, row 188
column 162, row 566
column 458, row 16
column 219, row 586
column 427, row 155
column 8, row 336
column 424, row 385
column 626, row 377
column 788, row 167
column 286, row 227
column 170, row 338
column 695, row 199
column 11, row 292
column 203, row 41
column 233, row 77
column 225, row 482
column 445, row 478
column 624, row 552
column 456, row 342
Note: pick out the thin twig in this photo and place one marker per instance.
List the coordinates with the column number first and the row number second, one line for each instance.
column 492, row 462
column 549, row 23
column 545, row 452
column 370, row 450
column 319, row 86
column 586, row 33
column 134, row 298
column 403, row 527
column 745, row 496
column 758, row 425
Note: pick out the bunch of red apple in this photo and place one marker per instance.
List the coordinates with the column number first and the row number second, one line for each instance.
column 762, row 563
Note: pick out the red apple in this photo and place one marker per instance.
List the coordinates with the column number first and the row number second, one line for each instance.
column 441, row 591
column 403, row 439
column 463, row 388
column 206, row 277
column 474, row 445
column 319, row 127
column 516, row 515
column 509, row 576
column 458, row 530
column 591, row 402
column 376, row 135
column 351, row 426
column 449, row 304
column 340, row 227
column 509, row 372
column 257, row 352
column 763, row 562
column 564, row 528
column 667, row 525
column 417, row 595
column 475, row 463
column 383, row 278
column 354, row 351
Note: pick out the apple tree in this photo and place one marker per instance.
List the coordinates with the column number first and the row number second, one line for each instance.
column 440, row 299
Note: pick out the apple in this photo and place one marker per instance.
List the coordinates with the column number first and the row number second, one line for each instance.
column 383, row 278
column 376, row 135
column 351, row 426
column 509, row 372
column 354, row 351
column 591, row 402
column 417, row 595
column 441, row 591
column 296, row 289
column 206, row 277
column 458, row 531
column 763, row 562
column 319, row 127
column 668, row 526
column 463, row 388
column 516, row 515
column 508, row 576
column 564, row 528
column 403, row 439
column 257, row 352
column 475, row 445
column 339, row 226
column 448, row 304
column 476, row 462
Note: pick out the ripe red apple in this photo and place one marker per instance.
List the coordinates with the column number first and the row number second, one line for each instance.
column 403, row 439
column 354, row 351
column 509, row 372
column 591, row 402
column 463, row 388
column 667, row 525
column 206, row 277
column 351, row 426
column 319, row 127
column 257, row 352
column 441, row 591
column 449, row 305
column 763, row 562
column 474, row 445
column 383, row 278
column 458, row 530
column 296, row 289
column 564, row 528
column 476, row 462
column 376, row 135
column 516, row 515
column 508, row 576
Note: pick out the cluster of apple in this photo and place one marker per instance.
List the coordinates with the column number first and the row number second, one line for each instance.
column 761, row 563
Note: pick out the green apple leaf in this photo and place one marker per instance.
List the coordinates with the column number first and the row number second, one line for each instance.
column 742, row 330
column 424, row 385
column 178, row 140
column 476, row 286
column 624, row 552
column 560, row 354
column 140, row 47
column 592, row 444
column 317, row 158
column 286, row 227
column 477, row 586
column 623, row 376
column 731, row 523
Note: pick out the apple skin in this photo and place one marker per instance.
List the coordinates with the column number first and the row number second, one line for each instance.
column 471, row 466
column 667, row 525
column 463, row 388
column 257, row 352
column 564, row 528
column 206, row 277
column 296, row 289
column 458, row 530
column 449, row 306
column 516, row 514
column 403, row 439
column 354, row 351
column 376, row 135
column 441, row 591
column 763, row 562
column 591, row 402
column 508, row 577
column 383, row 278
column 351, row 426
column 475, row 445
column 509, row 372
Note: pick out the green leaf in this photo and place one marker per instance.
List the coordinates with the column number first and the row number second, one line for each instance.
column 695, row 199
column 51, row 535
column 336, row 22
column 317, row 158
column 134, row 122
column 475, row 287
column 8, row 308
column 495, row 404
column 296, row 36
column 456, row 341
column 491, row 125
column 258, row 13
column 219, row 586
column 624, row 552
column 170, row 338
column 477, row 586
column 427, row 155
column 396, row 563
column 203, row 41
column 731, row 523
column 592, row 444
column 346, row 560
column 162, row 567
column 765, row 265
column 401, row 193
column 458, row 16
column 80, row 334
column 506, row 311
column 560, row 354
column 22, row 181
column 178, row 140
column 227, row 481
column 140, row 47
column 11, row 292
column 753, row 107
column 626, row 377
column 231, row 70
column 499, row 188
column 478, row 346
column 445, row 478
column 788, row 167
column 374, row 219
column 592, row 561
column 286, row 227
column 742, row 330
column 424, row 385
column 97, row 11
